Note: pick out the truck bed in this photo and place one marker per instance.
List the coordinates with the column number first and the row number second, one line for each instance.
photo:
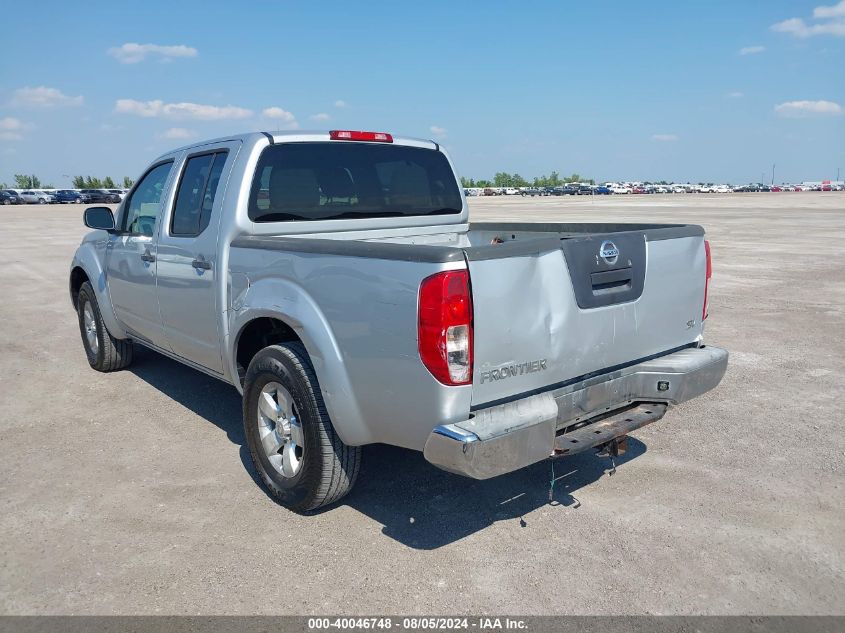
column 548, row 309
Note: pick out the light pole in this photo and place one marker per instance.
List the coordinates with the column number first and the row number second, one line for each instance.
column 773, row 174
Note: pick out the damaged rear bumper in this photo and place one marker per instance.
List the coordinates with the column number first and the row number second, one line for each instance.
column 573, row 418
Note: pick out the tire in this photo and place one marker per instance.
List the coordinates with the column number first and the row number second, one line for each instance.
column 7, row 201
column 104, row 352
column 42, row 201
column 299, row 457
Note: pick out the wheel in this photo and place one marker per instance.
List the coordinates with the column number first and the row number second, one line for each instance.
column 104, row 352
column 7, row 201
column 298, row 455
column 42, row 201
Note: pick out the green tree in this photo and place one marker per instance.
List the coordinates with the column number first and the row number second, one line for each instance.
column 502, row 179
column 93, row 183
column 465, row 182
column 79, row 182
column 127, row 182
column 108, row 183
column 23, row 181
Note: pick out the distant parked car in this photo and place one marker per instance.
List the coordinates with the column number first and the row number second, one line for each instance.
column 9, row 197
column 565, row 190
column 721, row 189
column 64, row 196
column 619, row 189
column 511, row 191
column 639, row 189
column 602, row 190
column 584, row 190
column 34, row 196
column 120, row 193
column 100, row 195
column 533, row 191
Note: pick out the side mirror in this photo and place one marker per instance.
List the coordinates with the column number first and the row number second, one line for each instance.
column 99, row 218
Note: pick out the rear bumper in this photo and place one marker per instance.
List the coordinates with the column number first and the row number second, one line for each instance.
column 507, row 437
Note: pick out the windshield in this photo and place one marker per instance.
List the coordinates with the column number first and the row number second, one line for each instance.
column 338, row 180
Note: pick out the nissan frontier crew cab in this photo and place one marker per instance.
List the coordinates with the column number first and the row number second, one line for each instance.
column 334, row 279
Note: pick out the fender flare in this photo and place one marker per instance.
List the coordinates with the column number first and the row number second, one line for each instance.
column 86, row 258
column 291, row 304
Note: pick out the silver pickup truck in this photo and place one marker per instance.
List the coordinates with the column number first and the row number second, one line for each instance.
column 335, row 280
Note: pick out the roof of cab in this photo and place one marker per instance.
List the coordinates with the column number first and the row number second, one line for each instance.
column 295, row 136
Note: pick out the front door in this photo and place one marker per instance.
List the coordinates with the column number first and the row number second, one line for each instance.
column 131, row 261
column 188, row 273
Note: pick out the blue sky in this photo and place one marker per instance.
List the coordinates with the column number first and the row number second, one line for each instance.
column 693, row 90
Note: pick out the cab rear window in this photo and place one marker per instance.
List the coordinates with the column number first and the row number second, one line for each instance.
column 329, row 181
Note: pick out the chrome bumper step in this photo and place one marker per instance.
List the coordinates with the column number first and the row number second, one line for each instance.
column 602, row 431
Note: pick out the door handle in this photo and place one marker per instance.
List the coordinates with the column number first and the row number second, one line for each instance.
column 148, row 257
column 200, row 263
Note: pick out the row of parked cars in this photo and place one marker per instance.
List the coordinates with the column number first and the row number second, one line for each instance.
column 581, row 189
column 61, row 196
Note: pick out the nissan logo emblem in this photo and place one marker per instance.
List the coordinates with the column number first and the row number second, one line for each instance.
column 608, row 252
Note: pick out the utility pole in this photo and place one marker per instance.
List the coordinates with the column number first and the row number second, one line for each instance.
column 773, row 174
column 763, row 178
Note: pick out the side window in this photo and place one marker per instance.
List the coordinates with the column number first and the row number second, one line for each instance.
column 195, row 197
column 144, row 205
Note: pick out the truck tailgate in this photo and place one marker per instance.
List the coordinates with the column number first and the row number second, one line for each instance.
column 579, row 305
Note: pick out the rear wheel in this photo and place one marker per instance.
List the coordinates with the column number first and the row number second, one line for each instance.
column 42, row 201
column 298, row 455
column 104, row 352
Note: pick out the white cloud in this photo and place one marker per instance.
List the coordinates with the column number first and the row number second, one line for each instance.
column 664, row 138
column 182, row 110
column 835, row 11
column 438, row 131
column 132, row 53
column 278, row 113
column 320, row 116
column 340, row 103
column 801, row 109
column 830, row 21
column 11, row 124
column 735, row 95
column 43, row 97
column 799, row 28
column 751, row 50
column 178, row 133
column 12, row 129
column 286, row 119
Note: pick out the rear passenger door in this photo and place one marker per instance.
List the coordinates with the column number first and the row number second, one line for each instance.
column 188, row 277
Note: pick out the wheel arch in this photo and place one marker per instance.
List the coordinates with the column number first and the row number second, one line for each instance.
column 87, row 266
column 260, row 318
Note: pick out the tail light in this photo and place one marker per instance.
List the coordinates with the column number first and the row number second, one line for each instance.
column 707, row 281
column 354, row 135
column 445, row 327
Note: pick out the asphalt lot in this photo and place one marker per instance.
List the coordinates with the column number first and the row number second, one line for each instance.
column 130, row 493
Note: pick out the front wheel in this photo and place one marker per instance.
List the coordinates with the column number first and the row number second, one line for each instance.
column 298, row 455
column 104, row 352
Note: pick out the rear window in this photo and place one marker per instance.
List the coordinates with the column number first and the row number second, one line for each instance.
column 338, row 180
